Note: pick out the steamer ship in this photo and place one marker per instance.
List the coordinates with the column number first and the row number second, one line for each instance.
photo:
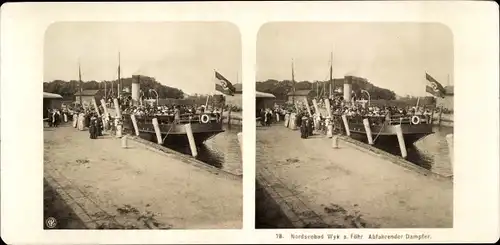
column 383, row 130
column 203, row 125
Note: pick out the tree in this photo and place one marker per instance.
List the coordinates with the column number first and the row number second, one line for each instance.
column 281, row 88
column 68, row 89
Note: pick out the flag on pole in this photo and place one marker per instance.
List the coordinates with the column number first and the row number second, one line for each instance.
column 435, row 88
column 223, row 85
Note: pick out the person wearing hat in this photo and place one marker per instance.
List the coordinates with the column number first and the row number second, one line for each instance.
column 99, row 126
column 266, row 117
column 92, row 126
column 177, row 114
column 49, row 117
column 304, row 133
column 262, row 117
column 309, row 126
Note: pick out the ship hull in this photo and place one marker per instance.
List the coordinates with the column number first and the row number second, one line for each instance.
column 178, row 139
column 386, row 134
column 386, row 139
column 173, row 134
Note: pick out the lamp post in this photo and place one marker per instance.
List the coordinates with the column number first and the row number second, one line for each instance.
column 368, row 95
column 152, row 90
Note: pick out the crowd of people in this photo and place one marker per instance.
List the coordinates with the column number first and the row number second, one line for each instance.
column 53, row 117
column 319, row 121
column 87, row 118
column 170, row 110
column 83, row 118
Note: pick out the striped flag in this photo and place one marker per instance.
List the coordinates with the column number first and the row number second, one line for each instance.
column 223, row 85
column 435, row 88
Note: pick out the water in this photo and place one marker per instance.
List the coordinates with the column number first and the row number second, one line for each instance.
column 221, row 151
column 430, row 152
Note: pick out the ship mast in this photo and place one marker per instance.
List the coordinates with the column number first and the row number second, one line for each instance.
column 293, row 84
column 331, row 74
column 119, row 77
column 317, row 89
column 80, row 82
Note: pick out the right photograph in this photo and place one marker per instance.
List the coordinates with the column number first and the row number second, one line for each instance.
column 354, row 125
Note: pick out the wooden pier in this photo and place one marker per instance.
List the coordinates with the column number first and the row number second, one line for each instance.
column 318, row 186
column 137, row 187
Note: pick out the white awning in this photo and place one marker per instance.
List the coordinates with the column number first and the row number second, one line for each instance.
column 263, row 95
column 51, row 96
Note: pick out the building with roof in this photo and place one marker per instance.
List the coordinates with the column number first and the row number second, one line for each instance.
column 51, row 101
column 237, row 98
column 264, row 100
column 300, row 95
column 87, row 95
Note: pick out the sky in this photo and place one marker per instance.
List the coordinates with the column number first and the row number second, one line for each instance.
column 390, row 55
column 178, row 54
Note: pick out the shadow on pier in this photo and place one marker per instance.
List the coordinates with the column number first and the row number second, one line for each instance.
column 268, row 214
column 54, row 206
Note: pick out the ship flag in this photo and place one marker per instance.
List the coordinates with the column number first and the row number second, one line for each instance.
column 435, row 88
column 223, row 85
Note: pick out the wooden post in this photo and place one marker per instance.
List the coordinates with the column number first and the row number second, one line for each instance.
column 346, row 125
column 316, row 108
column 96, row 108
column 105, row 109
column 317, row 114
column 157, row 131
column 328, row 108
column 401, row 140
column 308, row 108
column 117, row 108
column 440, row 114
column 335, row 142
column 449, row 139
column 329, row 126
column 368, row 131
column 118, row 128
column 134, row 121
column 431, row 120
column 105, row 117
column 240, row 141
column 124, row 141
column 192, row 144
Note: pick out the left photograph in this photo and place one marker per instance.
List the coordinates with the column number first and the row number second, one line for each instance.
column 142, row 126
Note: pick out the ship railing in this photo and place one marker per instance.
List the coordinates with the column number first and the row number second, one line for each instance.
column 399, row 120
column 170, row 118
column 423, row 119
column 380, row 119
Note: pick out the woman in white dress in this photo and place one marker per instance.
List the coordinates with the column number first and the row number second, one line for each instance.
column 81, row 119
